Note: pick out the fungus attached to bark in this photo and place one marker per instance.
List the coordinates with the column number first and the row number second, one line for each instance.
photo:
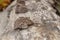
column 21, row 7
column 22, row 23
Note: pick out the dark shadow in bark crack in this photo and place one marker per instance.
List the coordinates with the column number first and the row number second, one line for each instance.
column 57, row 11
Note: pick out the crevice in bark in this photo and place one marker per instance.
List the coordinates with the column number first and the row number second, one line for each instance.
column 57, row 11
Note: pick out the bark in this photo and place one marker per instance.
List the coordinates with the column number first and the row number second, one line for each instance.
column 30, row 20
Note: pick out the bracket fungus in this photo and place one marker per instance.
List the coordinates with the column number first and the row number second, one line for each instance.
column 21, row 7
column 22, row 23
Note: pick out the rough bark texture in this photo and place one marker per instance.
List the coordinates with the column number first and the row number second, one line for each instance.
column 38, row 21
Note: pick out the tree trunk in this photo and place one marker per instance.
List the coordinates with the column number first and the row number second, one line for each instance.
column 30, row 20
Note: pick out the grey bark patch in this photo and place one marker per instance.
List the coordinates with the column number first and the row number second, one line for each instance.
column 12, row 35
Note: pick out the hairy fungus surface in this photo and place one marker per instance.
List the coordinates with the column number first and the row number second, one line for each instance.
column 22, row 22
column 21, row 7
